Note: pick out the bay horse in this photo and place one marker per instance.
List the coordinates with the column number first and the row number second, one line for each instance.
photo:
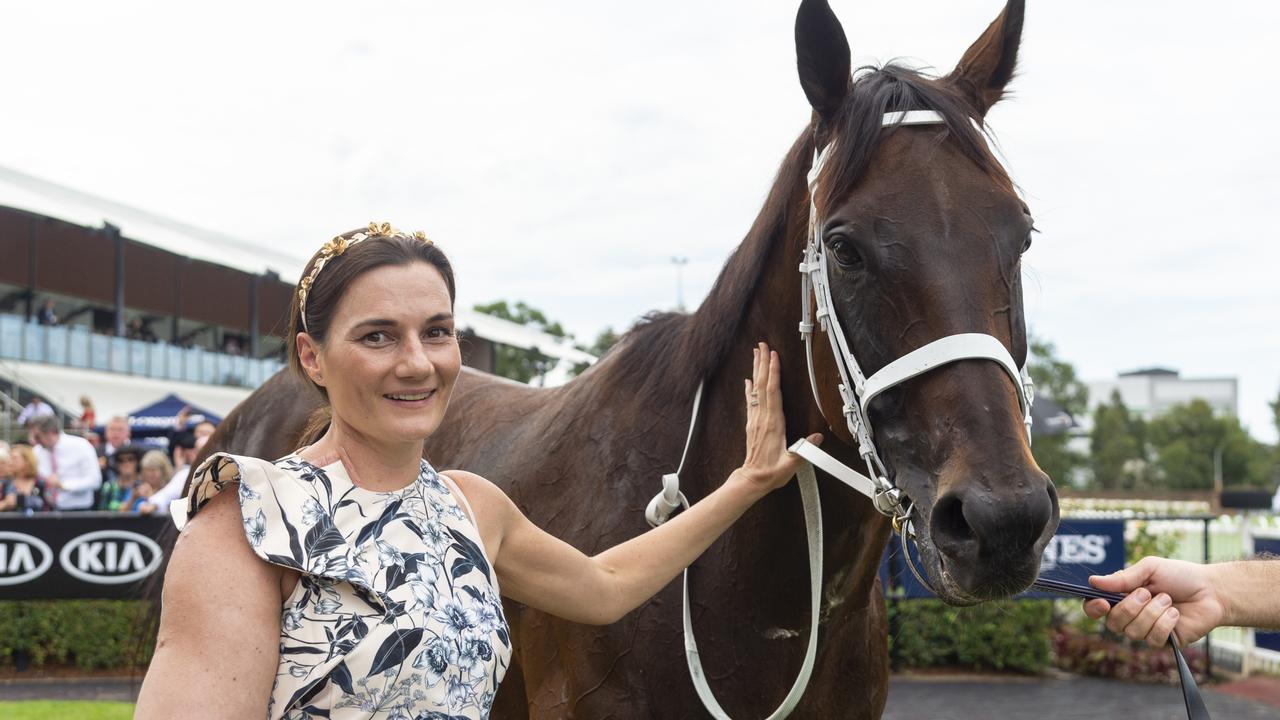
column 924, row 233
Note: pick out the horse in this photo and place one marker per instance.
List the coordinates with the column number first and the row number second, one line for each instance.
column 924, row 233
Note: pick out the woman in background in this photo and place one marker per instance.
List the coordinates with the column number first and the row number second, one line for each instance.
column 24, row 490
column 156, row 471
column 88, row 417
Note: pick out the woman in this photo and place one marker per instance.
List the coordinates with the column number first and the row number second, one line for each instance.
column 24, row 490
column 88, row 416
column 369, row 584
column 155, row 473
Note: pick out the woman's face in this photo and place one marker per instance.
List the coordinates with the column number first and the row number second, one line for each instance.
column 391, row 356
column 153, row 476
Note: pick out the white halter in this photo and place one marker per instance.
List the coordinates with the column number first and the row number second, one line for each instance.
column 857, row 392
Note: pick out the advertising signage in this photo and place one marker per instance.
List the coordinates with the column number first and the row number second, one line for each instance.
column 78, row 554
column 1079, row 549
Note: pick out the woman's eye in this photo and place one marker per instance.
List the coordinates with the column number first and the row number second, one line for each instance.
column 843, row 251
column 375, row 338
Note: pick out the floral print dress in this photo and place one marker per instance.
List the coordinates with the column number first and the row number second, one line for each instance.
column 396, row 614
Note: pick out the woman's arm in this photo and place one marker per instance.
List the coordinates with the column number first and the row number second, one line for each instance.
column 218, row 647
column 544, row 572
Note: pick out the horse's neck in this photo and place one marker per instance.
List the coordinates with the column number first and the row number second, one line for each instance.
column 855, row 532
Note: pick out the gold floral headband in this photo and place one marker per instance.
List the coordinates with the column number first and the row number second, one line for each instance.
column 339, row 245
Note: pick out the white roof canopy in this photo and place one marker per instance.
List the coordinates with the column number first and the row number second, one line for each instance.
column 26, row 192
column 113, row 393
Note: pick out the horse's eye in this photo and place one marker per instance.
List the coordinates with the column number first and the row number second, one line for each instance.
column 844, row 251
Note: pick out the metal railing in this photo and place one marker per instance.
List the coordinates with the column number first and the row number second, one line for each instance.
column 75, row 346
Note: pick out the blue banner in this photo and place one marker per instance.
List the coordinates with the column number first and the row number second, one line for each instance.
column 1079, row 549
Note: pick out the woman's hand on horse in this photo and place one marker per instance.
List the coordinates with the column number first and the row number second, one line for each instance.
column 768, row 464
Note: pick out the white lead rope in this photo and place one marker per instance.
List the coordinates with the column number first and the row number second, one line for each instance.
column 813, row 534
column 666, row 502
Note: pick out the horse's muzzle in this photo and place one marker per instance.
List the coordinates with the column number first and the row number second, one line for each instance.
column 990, row 540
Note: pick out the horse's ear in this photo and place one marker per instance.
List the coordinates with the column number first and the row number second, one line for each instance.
column 822, row 57
column 987, row 66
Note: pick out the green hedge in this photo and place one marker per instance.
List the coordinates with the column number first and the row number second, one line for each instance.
column 1012, row 635
column 1009, row 636
column 90, row 634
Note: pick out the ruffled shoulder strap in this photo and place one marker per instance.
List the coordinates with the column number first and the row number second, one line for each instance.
column 284, row 520
column 264, row 492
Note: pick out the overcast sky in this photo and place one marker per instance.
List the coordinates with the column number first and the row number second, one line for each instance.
column 564, row 152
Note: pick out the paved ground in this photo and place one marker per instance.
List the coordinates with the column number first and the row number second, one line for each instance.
column 1066, row 698
column 913, row 698
column 68, row 689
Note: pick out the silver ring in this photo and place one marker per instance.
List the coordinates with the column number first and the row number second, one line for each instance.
column 754, row 403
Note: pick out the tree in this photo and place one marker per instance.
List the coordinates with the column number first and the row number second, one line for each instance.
column 1186, row 440
column 1275, row 451
column 518, row 363
column 1117, row 444
column 1056, row 379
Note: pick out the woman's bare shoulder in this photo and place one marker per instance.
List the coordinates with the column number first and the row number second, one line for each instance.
column 221, row 610
column 213, row 543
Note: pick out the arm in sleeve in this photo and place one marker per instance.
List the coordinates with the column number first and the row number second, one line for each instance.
column 85, row 473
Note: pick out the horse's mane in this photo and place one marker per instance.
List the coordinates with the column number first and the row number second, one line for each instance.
column 671, row 352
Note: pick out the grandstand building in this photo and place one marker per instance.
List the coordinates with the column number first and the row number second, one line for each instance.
column 147, row 306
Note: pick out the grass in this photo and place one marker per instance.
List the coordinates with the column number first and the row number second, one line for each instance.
column 65, row 710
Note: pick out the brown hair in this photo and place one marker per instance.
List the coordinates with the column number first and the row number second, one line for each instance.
column 327, row 288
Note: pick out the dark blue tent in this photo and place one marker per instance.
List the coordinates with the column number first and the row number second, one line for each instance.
column 159, row 417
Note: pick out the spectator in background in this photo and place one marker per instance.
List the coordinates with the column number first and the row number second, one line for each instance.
column 68, row 465
column 139, row 330
column 117, row 437
column 5, row 474
column 203, row 430
column 186, row 447
column 24, row 491
column 88, row 417
column 37, row 408
column 156, row 471
column 46, row 315
column 120, row 478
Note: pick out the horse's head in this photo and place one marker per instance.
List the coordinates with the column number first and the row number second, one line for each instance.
column 923, row 235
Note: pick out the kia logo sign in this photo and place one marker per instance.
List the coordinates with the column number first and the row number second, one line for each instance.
column 23, row 557
column 110, row 557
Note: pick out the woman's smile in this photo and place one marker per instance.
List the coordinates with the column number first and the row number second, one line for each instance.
column 411, row 399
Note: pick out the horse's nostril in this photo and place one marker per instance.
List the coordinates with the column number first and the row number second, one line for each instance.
column 950, row 528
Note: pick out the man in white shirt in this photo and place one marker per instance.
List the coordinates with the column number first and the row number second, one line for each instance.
column 37, row 408
column 68, row 464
